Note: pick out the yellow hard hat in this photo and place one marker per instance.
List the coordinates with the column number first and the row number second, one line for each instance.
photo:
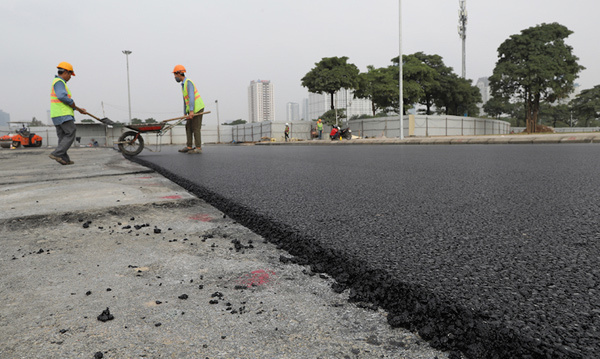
column 179, row 68
column 66, row 66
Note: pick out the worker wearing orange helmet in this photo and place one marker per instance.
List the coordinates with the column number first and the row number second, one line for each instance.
column 193, row 106
column 320, row 128
column 62, row 113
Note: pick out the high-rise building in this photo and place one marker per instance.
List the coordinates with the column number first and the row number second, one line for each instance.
column 318, row 104
column 261, row 105
column 4, row 118
column 483, row 84
column 305, row 115
column 292, row 112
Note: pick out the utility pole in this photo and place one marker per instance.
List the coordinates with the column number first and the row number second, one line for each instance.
column 218, row 123
column 127, row 53
column 462, row 33
column 401, row 108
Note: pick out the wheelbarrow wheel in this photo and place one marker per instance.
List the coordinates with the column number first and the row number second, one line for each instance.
column 131, row 143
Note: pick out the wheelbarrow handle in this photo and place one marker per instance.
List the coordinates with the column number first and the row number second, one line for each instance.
column 182, row 117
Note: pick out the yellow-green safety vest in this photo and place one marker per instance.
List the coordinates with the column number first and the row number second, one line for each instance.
column 320, row 126
column 57, row 107
column 198, row 103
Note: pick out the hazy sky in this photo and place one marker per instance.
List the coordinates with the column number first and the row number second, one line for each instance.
column 228, row 43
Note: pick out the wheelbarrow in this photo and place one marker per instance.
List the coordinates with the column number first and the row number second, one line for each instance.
column 131, row 143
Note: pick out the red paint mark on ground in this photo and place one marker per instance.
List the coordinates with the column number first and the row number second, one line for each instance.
column 257, row 278
column 202, row 217
column 171, row 197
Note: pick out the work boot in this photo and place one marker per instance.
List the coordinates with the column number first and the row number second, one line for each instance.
column 195, row 150
column 185, row 150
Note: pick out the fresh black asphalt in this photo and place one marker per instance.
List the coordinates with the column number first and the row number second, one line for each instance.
column 490, row 250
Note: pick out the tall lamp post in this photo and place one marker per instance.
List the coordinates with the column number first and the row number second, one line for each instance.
column 218, row 123
column 127, row 53
column 400, row 72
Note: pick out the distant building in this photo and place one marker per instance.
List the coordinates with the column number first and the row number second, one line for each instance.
column 4, row 118
column 261, row 104
column 483, row 84
column 292, row 112
column 318, row 104
column 305, row 115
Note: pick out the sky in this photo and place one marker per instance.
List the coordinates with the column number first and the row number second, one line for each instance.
column 226, row 44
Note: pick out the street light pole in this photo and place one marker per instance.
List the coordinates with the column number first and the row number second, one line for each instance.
column 400, row 72
column 218, row 123
column 127, row 53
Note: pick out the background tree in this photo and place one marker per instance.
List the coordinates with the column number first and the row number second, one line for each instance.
column 378, row 86
column 586, row 106
column 136, row 121
column 458, row 97
column 330, row 75
column 496, row 107
column 433, row 89
column 87, row 120
column 555, row 116
column 150, row 120
column 328, row 118
column 239, row 121
column 535, row 66
column 36, row 122
column 414, row 72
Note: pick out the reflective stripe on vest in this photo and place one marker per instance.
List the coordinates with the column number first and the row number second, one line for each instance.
column 57, row 107
column 198, row 103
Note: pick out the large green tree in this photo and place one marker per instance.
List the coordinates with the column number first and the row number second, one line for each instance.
column 586, row 106
column 536, row 65
column 434, row 88
column 415, row 73
column 379, row 86
column 330, row 75
column 458, row 97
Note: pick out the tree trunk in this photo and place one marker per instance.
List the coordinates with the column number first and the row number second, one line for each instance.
column 332, row 103
column 373, row 107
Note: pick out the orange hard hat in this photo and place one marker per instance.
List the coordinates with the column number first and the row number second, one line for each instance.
column 66, row 66
column 178, row 68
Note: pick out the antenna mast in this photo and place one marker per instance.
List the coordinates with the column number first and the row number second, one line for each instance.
column 462, row 33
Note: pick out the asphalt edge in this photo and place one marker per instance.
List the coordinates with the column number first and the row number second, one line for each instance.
column 443, row 323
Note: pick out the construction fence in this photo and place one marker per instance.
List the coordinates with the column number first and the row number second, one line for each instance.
column 414, row 125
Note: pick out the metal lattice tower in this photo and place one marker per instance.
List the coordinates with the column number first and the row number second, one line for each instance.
column 462, row 32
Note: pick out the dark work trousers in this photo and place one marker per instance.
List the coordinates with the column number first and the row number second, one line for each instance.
column 66, row 135
column 192, row 130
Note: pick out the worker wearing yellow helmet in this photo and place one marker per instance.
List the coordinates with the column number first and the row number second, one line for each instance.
column 62, row 114
column 193, row 106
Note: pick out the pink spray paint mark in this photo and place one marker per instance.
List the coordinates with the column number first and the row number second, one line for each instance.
column 257, row 278
column 202, row 217
column 171, row 197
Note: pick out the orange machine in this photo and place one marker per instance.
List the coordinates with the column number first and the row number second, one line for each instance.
column 22, row 137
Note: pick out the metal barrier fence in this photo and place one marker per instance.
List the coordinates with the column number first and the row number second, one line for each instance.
column 426, row 126
column 422, row 126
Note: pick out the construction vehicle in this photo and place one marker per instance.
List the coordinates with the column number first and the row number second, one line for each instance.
column 21, row 137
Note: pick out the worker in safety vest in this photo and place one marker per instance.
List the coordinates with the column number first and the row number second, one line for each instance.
column 193, row 108
column 62, row 114
column 320, row 128
column 287, row 132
